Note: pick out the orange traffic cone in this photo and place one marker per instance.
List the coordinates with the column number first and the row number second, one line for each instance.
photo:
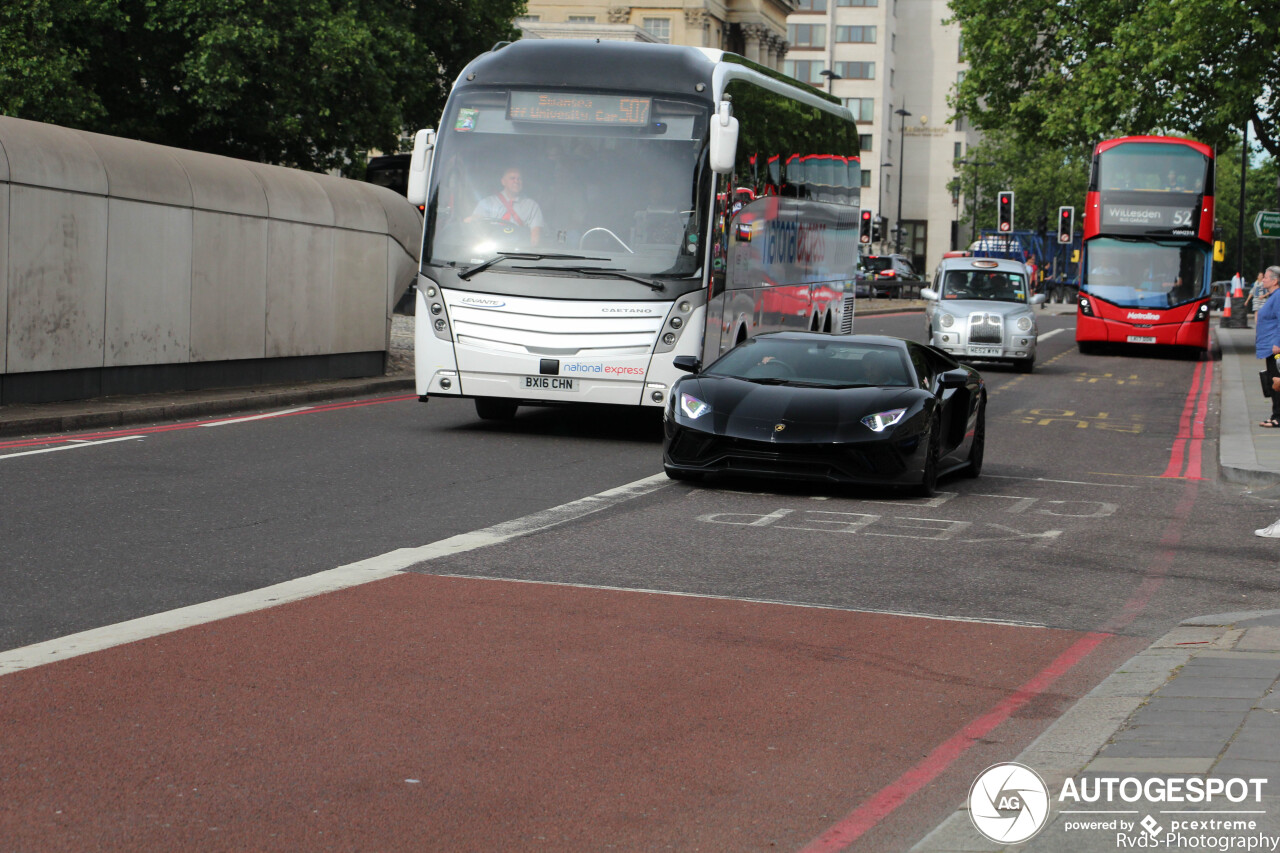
column 1226, row 308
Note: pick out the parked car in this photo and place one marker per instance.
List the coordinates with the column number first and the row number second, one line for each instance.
column 892, row 276
column 979, row 309
column 832, row 408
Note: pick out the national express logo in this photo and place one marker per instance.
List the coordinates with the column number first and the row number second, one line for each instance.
column 1009, row 803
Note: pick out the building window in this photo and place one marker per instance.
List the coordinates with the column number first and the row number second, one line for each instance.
column 857, row 2
column 864, row 179
column 864, row 141
column 856, row 70
column 807, row 35
column 957, row 154
column 528, row 19
column 659, row 28
column 863, row 109
column 893, row 43
column 582, row 19
column 812, row 6
column 804, row 70
column 856, row 35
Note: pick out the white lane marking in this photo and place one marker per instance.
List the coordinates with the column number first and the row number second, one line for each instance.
column 1049, row 334
column 79, row 444
column 1017, row 623
column 353, row 574
column 256, row 417
column 1067, row 482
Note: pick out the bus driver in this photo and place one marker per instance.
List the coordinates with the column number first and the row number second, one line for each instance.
column 510, row 206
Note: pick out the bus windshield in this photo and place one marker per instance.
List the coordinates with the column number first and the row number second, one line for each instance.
column 581, row 179
column 1143, row 274
column 1150, row 166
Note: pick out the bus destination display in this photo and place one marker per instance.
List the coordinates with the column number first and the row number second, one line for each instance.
column 1148, row 217
column 578, row 109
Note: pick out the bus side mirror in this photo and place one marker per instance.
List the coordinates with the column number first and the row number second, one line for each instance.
column 424, row 142
column 1219, row 251
column 724, row 140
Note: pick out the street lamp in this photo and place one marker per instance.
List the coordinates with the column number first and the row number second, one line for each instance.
column 973, row 226
column 831, row 77
column 880, row 210
column 902, row 138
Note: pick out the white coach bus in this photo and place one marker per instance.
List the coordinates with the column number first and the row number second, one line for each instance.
column 595, row 209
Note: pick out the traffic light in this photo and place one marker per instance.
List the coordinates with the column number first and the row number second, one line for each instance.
column 864, row 230
column 877, row 230
column 1066, row 223
column 1004, row 207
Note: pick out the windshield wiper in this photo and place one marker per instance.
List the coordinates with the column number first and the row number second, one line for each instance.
column 610, row 271
column 521, row 256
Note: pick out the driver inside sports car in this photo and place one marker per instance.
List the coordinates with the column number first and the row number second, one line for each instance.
column 509, row 205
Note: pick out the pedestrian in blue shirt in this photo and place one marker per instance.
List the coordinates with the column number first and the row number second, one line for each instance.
column 1267, row 341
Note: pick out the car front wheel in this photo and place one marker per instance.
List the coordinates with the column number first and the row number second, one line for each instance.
column 928, row 485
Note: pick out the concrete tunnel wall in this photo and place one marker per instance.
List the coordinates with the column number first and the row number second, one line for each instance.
column 128, row 267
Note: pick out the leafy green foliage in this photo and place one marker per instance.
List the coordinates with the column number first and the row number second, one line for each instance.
column 1042, row 178
column 1071, row 72
column 307, row 83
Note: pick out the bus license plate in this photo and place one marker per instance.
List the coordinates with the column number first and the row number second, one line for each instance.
column 984, row 350
column 550, row 383
column 1141, row 339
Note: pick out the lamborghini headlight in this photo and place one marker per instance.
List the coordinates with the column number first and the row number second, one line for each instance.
column 881, row 421
column 946, row 321
column 692, row 407
column 1024, row 324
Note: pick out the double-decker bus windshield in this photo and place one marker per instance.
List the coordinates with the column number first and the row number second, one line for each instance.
column 581, row 179
column 1152, row 167
column 1146, row 274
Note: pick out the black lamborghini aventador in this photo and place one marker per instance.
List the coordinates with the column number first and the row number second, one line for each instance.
column 834, row 408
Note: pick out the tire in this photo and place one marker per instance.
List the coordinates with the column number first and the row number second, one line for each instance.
column 1025, row 365
column 978, row 449
column 1088, row 347
column 495, row 408
column 928, row 485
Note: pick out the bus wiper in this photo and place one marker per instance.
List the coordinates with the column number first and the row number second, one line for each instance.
column 616, row 273
column 521, row 256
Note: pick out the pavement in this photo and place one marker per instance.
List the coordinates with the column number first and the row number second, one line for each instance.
column 1199, row 705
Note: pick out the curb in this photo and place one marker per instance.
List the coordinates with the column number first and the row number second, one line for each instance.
column 108, row 413
column 1071, row 745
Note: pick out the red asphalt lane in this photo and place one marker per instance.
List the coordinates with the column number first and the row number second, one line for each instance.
column 434, row 713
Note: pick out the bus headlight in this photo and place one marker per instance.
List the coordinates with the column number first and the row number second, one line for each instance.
column 946, row 321
column 1086, row 306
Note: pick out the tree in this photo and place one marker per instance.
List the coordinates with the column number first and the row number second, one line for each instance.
column 1042, row 178
column 1262, row 193
column 1071, row 72
column 306, row 83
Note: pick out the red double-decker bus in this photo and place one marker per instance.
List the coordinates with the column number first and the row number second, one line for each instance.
column 1148, row 244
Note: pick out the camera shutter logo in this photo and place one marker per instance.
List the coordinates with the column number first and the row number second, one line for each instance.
column 1009, row 803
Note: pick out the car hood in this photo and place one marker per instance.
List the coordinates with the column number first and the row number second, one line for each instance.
column 748, row 410
column 965, row 307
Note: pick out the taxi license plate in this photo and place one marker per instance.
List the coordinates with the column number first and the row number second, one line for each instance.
column 550, row 383
column 1141, row 339
column 984, row 350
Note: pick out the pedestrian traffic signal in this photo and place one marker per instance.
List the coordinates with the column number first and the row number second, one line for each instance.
column 1004, row 208
column 877, row 230
column 1066, row 223
column 864, row 231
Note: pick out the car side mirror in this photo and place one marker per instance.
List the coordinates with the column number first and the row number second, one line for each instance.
column 687, row 363
column 957, row 378
column 929, row 294
column 1038, row 299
